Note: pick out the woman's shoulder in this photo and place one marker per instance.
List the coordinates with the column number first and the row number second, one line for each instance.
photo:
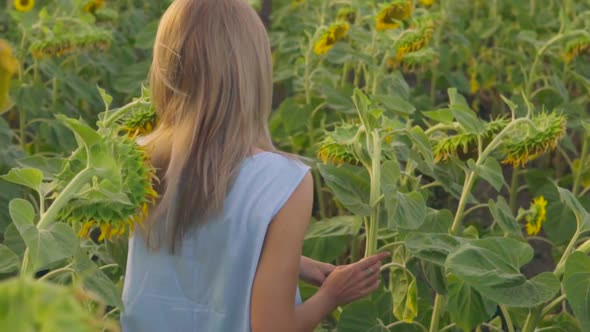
column 276, row 162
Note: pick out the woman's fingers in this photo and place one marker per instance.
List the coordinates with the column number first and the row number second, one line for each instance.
column 367, row 262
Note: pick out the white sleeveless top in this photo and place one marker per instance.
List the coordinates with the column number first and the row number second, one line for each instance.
column 207, row 285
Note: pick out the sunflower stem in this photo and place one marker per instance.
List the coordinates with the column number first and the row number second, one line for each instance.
column 436, row 312
column 583, row 156
column 507, row 317
column 570, row 247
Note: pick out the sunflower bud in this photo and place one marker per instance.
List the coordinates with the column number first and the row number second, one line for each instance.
column 390, row 15
column 526, row 143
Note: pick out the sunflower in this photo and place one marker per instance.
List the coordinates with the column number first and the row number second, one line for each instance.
column 8, row 67
column 24, row 5
column 113, row 203
column 525, row 144
column 536, row 216
column 71, row 42
column 337, row 31
column 329, row 151
column 140, row 120
column 427, row 3
column 390, row 15
column 347, row 14
column 93, row 6
column 576, row 48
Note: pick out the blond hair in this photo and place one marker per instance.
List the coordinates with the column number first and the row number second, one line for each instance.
column 211, row 85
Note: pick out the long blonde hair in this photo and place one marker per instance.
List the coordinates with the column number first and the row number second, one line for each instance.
column 211, row 85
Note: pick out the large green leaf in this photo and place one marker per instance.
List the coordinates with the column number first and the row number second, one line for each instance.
column 432, row 248
column 576, row 283
column 350, row 185
column 407, row 211
column 467, row 307
column 491, row 171
column 88, row 135
column 464, row 115
column 502, row 215
column 437, row 221
column 358, row 316
column 28, row 177
column 435, row 276
column 95, row 280
column 492, row 267
column 9, row 261
column 582, row 216
column 443, row 115
column 337, row 226
column 50, row 244
column 404, row 294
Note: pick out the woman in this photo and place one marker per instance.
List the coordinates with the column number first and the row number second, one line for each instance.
column 221, row 251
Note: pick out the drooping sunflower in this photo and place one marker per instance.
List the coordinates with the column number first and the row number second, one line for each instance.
column 336, row 32
column 92, row 6
column 418, row 61
column 24, row 6
column 390, row 15
column 427, row 3
column 536, row 216
column 461, row 144
column 329, row 151
column 576, row 48
column 8, row 67
column 347, row 14
column 114, row 203
column 525, row 143
column 71, row 42
column 140, row 120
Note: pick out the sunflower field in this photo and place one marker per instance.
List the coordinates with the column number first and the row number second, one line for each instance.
column 454, row 134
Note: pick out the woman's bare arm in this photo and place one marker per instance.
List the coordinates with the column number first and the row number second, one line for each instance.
column 273, row 293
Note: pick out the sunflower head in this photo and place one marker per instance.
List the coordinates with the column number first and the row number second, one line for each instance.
column 24, row 6
column 8, row 67
column 461, row 144
column 526, row 143
column 71, row 42
column 427, row 3
column 117, row 199
column 335, row 32
column 414, row 41
column 536, row 216
column 329, row 151
column 92, row 6
column 140, row 120
column 390, row 15
column 419, row 61
column 347, row 14
column 576, row 48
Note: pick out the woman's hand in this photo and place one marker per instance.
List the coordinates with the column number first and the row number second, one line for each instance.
column 351, row 282
column 314, row 272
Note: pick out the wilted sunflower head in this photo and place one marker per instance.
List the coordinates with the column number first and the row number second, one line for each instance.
column 526, row 143
column 92, row 6
column 390, row 15
column 576, row 48
column 536, row 215
column 24, row 5
column 420, row 60
column 337, row 31
column 8, row 67
column 116, row 200
column 414, row 41
column 140, row 120
column 461, row 144
column 71, row 42
column 329, row 151
column 347, row 14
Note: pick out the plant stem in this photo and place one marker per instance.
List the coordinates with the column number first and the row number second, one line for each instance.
column 585, row 247
column 469, row 181
column 560, row 266
column 531, row 320
column 514, row 189
column 57, row 272
column 583, row 156
column 436, row 311
column 552, row 305
column 507, row 317
column 69, row 191
column 375, row 194
column 319, row 191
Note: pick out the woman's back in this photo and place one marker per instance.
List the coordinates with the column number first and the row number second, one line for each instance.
column 207, row 284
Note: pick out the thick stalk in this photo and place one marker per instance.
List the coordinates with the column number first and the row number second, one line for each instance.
column 583, row 156
column 531, row 320
column 49, row 216
column 469, row 181
column 436, row 311
column 566, row 254
column 507, row 317
column 375, row 195
column 514, row 189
